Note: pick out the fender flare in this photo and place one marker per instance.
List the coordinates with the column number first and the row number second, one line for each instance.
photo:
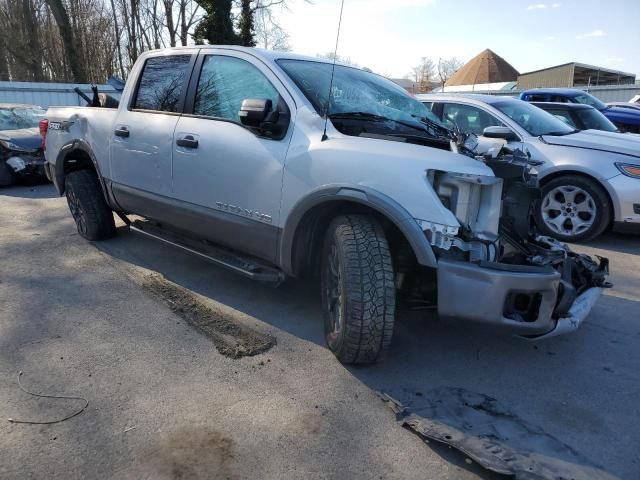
column 65, row 150
column 379, row 202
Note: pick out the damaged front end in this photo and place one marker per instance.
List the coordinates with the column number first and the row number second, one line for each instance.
column 494, row 268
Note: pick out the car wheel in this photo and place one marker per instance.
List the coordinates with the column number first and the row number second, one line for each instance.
column 7, row 177
column 88, row 207
column 358, row 290
column 573, row 209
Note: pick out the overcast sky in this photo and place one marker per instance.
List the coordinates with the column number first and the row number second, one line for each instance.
column 390, row 36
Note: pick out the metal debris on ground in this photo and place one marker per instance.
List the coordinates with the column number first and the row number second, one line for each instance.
column 497, row 439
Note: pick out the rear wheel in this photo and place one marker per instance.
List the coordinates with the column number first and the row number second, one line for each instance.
column 358, row 291
column 573, row 209
column 88, row 207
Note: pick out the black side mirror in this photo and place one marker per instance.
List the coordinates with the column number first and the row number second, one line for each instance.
column 254, row 111
column 503, row 133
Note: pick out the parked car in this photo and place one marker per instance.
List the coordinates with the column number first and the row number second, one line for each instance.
column 629, row 105
column 21, row 154
column 268, row 164
column 589, row 180
column 627, row 120
column 578, row 116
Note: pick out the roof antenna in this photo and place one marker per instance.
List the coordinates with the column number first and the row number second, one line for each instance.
column 333, row 71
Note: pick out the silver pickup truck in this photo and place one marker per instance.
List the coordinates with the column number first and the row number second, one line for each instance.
column 276, row 165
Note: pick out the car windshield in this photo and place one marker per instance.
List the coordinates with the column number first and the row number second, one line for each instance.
column 590, row 100
column 591, row 118
column 24, row 116
column 354, row 91
column 533, row 119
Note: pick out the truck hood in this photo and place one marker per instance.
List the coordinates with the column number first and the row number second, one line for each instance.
column 25, row 138
column 620, row 143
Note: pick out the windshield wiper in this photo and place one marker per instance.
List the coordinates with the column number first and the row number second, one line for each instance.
column 372, row 117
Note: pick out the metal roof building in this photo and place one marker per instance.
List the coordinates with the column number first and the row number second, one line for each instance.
column 49, row 94
column 572, row 75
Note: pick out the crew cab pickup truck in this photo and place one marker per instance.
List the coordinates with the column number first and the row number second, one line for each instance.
column 276, row 165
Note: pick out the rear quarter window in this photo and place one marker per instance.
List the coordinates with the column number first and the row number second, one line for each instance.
column 161, row 83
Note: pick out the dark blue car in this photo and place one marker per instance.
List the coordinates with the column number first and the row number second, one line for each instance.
column 626, row 119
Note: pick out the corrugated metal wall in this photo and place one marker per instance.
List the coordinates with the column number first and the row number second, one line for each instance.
column 49, row 94
column 561, row 76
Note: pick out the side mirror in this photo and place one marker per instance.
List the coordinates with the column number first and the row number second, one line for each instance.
column 254, row 111
column 503, row 133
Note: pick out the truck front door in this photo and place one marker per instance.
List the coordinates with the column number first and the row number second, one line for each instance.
column 229, row 177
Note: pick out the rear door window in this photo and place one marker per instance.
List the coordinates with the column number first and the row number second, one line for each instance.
column 468, row 119
column 162, row 83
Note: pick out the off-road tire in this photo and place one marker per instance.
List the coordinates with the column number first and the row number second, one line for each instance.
column 366, row 289
column 598, row 194
column 7, row 177
column 88, row 207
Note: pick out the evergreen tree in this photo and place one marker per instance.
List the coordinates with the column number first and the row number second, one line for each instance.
column 245, row 25
column 216, row 26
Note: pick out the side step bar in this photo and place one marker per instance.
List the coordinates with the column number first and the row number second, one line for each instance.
column 246, row 266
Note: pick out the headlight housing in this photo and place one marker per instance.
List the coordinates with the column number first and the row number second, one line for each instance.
column 629, row 169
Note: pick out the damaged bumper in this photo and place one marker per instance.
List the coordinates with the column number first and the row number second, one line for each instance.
column 526, row 300
column 27, row 165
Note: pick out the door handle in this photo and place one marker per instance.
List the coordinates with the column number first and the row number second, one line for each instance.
column 122, row 132
column 187, row 141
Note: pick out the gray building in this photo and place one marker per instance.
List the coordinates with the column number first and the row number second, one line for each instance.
column 574, row 75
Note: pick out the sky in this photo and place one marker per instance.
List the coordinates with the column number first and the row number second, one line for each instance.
column 390, row 36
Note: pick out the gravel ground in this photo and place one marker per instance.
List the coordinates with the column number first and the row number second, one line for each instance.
column 77, row 319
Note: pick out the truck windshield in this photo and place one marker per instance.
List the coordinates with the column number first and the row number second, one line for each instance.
column 355, row 91
column 24, row 116
column 590, row 100
column 533, row 119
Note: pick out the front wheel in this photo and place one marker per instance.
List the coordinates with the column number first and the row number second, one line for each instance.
column 358, row 291
column 573, row 209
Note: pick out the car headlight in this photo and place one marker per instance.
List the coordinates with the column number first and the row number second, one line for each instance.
column 16, row 148
column 629, row 169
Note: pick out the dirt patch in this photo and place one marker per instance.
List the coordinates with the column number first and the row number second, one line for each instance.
column 231, row 338
column 189, row 453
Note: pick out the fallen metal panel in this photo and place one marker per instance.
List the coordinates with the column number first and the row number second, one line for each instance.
column 497, row 439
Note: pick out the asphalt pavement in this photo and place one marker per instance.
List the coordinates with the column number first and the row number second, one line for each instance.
column 163, row 403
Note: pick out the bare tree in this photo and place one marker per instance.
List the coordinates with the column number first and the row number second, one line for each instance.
column 447, row 67
column 268, row 33
column 424, row 74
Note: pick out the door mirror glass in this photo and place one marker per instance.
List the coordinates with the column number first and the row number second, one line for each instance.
column 503, row 133
column 254, row 111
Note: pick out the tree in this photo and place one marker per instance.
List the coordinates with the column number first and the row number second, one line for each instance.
column 245, row 25
column 423, row 74
column 216, row 26
column 447, row 67
column 72, row 53
column 338, row 58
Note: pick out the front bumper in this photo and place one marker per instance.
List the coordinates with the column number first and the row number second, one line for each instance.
column 521, row 300
column 625, row 193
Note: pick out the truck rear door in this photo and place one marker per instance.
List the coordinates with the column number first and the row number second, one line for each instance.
column 142, row 138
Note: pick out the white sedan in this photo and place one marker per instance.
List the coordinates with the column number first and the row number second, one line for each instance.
column 589, row 179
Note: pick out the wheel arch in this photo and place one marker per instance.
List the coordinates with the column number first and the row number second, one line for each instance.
column 77, row 155
column 580, row 173
column 306, row 224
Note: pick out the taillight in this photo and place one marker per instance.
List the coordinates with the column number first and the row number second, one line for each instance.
column 44, row 126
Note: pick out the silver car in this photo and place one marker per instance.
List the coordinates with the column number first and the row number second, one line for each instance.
column 590, row 180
